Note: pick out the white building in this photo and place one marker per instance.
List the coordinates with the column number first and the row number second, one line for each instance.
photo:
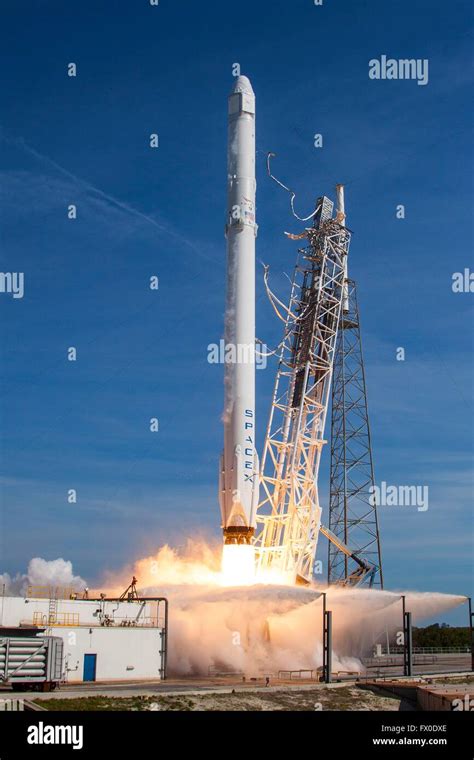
column 104, row 639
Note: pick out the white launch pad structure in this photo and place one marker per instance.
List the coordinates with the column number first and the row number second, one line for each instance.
column 102, row 639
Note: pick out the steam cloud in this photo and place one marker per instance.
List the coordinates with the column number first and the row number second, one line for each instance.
column 266, row 628
column 253, row 629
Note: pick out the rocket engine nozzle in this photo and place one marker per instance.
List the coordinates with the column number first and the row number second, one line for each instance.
column 238, row 535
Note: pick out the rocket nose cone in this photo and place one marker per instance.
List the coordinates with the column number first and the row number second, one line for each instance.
column 242, row 84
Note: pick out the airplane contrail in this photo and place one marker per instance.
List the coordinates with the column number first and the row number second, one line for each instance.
column 20, row 142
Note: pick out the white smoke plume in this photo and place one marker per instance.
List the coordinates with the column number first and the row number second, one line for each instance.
column 42, row 572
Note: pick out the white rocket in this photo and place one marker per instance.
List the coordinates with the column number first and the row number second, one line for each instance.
column 239, row 479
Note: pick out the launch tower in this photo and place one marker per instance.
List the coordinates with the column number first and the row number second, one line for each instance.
column 352, row 508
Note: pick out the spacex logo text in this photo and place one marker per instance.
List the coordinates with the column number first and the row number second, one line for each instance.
column 248, row 451
column 44, row 734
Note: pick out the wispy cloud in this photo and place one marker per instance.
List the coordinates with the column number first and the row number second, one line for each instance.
column 166, row 229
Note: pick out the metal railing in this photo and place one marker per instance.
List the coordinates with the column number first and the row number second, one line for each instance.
column 428, row 650
column 53, row 592
column 390, row 661
column 291, row 674
column 59, row 618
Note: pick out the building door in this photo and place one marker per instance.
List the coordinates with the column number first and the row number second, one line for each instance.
column 90, row 664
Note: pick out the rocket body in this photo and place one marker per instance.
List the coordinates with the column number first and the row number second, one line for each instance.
column 239, row 479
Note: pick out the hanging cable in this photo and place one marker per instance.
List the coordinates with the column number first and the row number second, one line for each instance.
column 269, row 353
column 292, row 194
column 274, row 299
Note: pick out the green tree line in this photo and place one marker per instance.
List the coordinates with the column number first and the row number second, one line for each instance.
column 440, row 636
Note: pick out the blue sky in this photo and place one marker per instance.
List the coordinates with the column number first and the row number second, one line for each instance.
column 142, row 354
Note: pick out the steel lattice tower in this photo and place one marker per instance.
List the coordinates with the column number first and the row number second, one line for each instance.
column 288, row 515
column 352, row 513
